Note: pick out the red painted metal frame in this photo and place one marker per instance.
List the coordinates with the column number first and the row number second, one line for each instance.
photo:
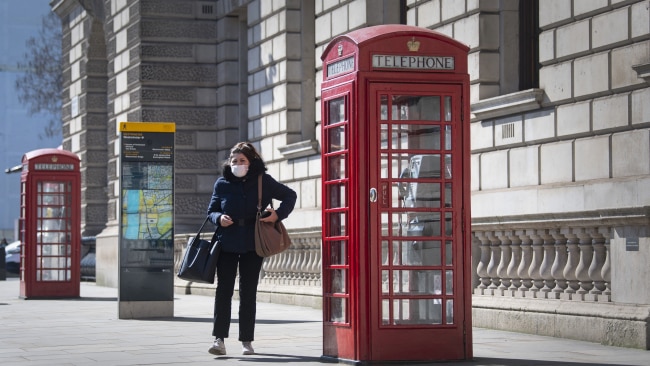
column 353, row 340
column 417, row 342
column 343, row 335
column 30, row 285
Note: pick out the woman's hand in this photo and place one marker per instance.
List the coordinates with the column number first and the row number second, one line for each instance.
column 273, row 217
column 225, row 221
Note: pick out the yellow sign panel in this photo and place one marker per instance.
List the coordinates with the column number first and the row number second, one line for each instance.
column 147, row 127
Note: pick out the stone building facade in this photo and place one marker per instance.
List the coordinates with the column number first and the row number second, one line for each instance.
column 560, row 136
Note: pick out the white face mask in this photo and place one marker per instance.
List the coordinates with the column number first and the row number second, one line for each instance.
column 239, row 170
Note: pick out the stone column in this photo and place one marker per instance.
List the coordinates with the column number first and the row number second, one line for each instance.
column 561, row 258
column 524, row 265
column 504, row 262
column 547, row 263
column 481, row 269
column 586, row 253
column 571, row 265
column 495, row 252
column 536, row 262
column 596, row 267
column 515, row 260
column 84, row 108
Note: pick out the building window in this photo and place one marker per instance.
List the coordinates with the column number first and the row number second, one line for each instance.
column 528, row 44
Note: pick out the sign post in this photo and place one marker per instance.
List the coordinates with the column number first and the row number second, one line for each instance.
column 146, row 240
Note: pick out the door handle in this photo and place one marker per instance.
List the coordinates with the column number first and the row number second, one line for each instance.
column 373, row 194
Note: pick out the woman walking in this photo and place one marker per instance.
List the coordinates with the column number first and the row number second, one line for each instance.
column 233, row 209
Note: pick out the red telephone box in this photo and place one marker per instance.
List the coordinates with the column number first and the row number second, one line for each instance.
column 396, row 196
column 50, row 224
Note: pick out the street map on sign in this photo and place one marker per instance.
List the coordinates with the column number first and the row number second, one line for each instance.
column 147, row 210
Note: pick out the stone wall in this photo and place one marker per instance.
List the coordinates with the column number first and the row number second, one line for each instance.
column 565, row 156
column 570, row 157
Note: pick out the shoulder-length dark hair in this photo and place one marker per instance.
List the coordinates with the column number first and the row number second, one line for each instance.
column 245, row 148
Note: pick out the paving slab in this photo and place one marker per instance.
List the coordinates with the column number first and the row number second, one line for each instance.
column 87, row 331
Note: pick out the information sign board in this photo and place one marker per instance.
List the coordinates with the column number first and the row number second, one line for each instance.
column 146, row 211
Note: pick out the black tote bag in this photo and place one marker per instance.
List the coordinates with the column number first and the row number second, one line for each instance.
column 200, row 260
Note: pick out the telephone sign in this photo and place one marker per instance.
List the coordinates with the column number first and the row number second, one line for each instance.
column 395, row 183
column 413, row 62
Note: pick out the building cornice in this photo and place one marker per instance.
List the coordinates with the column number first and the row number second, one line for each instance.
column 63, row 7
column 299, row 149
column 643, row 71
column 508, row 104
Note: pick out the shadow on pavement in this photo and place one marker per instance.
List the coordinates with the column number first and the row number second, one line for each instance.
column 274, row 358
column 90, row 298
column 96, row 299
column 233, row 321
column 185, row 319
column 284, row 321
column 485, row 361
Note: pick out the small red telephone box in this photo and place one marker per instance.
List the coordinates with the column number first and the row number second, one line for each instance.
column 396, row 190
column 50, row 224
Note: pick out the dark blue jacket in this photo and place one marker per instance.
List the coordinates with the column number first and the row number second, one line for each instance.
column 237, row 198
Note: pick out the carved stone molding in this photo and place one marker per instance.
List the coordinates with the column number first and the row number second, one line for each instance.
column 508, row 104
column 300, row 149
column 643, row 71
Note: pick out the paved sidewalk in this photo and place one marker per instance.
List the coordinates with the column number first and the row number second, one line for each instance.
column 86, row 331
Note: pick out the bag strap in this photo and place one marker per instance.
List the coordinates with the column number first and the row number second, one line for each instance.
column 214, row 236
column 259, row 193
column 202, row 225
column 198, row 233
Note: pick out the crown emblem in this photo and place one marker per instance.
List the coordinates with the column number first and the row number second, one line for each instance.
column 55, row 159
column 413, row 45
column 340, row 49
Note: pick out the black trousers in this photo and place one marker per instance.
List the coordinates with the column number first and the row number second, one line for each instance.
column 249, row 265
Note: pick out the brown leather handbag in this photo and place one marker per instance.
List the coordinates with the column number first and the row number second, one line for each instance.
column 270, row 237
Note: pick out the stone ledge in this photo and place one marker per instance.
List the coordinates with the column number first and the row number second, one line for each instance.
column 643, row 71
column 613, row 217
column 227, row 7
column 299, row 149
column 621, row 325
column 291, row 295
column 277, row 294
column 508, row 104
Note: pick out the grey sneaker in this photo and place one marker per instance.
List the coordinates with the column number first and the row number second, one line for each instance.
column 218, row 348
column 247, row 348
